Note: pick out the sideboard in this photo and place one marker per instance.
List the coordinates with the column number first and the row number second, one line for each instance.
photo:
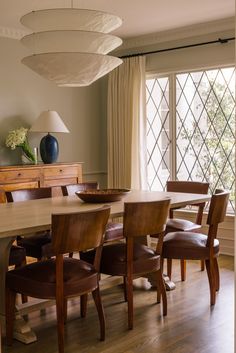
column 39, row 175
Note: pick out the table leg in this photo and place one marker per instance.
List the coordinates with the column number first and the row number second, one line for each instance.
column 22, row 331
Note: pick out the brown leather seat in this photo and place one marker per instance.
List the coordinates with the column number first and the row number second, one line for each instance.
column 197, row 246
column 188, row 245
column 145, row 259
column 134, row 259
column 63, row 277
column 34, row 244
column 114, row 230
column 41, row 278
column 176, row 224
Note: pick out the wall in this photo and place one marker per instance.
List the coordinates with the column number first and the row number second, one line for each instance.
column 24, row 94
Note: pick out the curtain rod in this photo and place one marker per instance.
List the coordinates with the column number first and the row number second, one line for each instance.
column 219, row 40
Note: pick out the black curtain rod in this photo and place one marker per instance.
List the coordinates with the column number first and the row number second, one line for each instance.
column 219, row 40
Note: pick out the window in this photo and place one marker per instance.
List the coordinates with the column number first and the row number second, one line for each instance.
column 191, row 133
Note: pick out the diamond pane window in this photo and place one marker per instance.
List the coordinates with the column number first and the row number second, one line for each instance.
column 205, row 129
column 158, row 132
column 205, row 120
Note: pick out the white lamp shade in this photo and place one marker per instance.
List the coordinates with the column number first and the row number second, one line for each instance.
column 71, row 19
column 71, row 69
column 49, row 121
column 71, row 41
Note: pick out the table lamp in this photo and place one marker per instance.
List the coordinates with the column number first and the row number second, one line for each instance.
column 49, row 121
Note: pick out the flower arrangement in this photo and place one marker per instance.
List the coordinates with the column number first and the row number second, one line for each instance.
column 18, row 138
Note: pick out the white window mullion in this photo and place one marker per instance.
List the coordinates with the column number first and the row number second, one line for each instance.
column 172, row 98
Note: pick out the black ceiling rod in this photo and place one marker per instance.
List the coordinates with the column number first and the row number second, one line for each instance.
column 219, row 40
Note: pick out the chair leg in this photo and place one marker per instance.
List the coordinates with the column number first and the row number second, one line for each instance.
column 202, row 265
column 10, row 314
column 217, row 274
column 24, row 298
column 83, row 305
column 125, row 288
column 97, row 300
column 183, row 269
column 169, row 268
column 158, row 288
column 71, row 254
column 162, row 264
column 129, row 287
column 60, row 323
column 211, row 278
column 162, row 291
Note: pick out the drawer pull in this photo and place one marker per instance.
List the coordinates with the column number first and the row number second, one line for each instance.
column 61, row 170
column 19, row 174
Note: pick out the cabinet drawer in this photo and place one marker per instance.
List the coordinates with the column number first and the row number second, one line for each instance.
column 61, row 172
column 19, row 186
column 59, row 182
column 18, row 175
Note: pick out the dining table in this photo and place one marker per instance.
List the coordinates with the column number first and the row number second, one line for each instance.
column 27, row 217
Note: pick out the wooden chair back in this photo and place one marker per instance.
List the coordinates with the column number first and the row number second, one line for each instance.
column 191, row 187
column 78, row 231
column 28, row 194
column 145, row 218
column 218, row 207
column 71, row 189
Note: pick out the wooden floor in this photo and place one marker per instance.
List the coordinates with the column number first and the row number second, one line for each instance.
column 190, row 327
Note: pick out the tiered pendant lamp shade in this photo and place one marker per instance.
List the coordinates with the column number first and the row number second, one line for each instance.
column 70, row 45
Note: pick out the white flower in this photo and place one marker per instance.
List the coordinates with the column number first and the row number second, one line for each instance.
column 16, row 138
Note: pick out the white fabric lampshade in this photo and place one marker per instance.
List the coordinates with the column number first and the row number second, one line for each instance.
column 62, row 68
column 71, row 19
column 70, row 45
column 49, row 121
column 71, row 41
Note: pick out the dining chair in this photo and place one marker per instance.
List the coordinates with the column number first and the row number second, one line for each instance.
column 36, row 245
column 114, row 230
column 63, row 277
column 198, row 246
column 176, row 224
column 132, row 258
column 17, row 256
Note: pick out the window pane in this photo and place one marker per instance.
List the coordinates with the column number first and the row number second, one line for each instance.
column 205, row 120
column 158, row 132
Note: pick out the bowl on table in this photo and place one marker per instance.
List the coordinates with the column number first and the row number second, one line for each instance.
column 102, row 195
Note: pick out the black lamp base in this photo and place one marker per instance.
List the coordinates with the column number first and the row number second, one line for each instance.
column 49, row 149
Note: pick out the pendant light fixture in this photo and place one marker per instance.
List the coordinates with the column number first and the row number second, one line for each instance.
column 70, row 45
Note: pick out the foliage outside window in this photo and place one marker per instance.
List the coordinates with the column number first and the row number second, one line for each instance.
column 204, row 129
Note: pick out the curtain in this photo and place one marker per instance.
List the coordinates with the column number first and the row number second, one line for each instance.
column 126, row 125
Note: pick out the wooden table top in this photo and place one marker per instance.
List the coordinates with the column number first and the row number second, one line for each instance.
column 22, row 218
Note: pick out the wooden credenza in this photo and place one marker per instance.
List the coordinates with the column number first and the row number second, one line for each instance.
column 40, row 175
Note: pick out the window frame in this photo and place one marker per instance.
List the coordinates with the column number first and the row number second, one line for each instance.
column 172, row 76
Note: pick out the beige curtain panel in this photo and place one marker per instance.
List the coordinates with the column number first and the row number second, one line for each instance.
column 126, row 124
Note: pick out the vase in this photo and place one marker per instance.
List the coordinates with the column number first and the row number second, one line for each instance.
column 25, row 159
column 28, row 156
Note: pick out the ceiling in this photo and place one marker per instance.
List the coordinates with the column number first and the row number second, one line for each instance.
column 139, row 16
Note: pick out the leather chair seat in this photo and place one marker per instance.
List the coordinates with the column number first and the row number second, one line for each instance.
column 17, row 256
column 113, row 260
column 182, row 225
column 187, row 245
column 34, row 244
column 40, row 277
column 114, row 231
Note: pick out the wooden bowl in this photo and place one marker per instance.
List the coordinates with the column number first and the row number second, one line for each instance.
column 102, row 195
